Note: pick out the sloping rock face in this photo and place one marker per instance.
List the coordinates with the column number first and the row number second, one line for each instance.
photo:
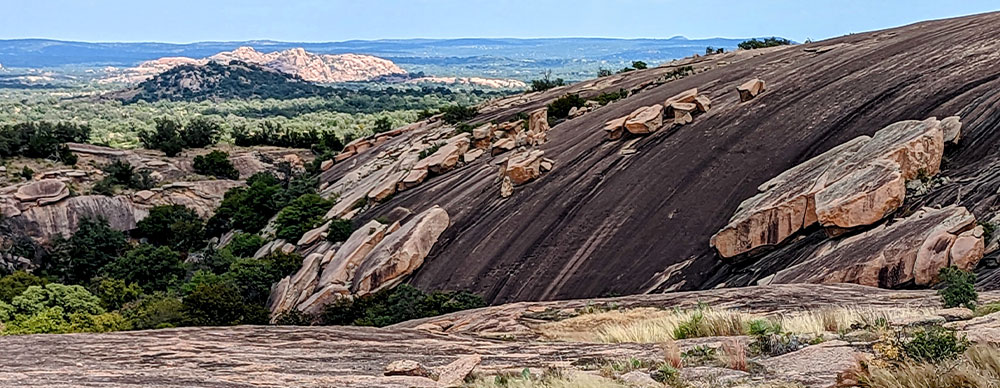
column 855, row 184
column 909, row 250
column 606, row 221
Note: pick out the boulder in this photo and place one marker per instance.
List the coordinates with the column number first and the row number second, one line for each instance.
column 703, row 103
column 750, row 89
column 387, row 187
column 407, row 368
column 524, row 167
column 955, row 314
column 984, row 330
column 888, row 256
column 814, row 366
column 482, row 132
column 688, row 96
column 538, row 120
column 343, row 156
column 43, row 223
column 412, row 179
column 45, row 189
column 952, row 128
column 400, row 253
column 313, row 235
column 472, row 155
column 292, row 290
column 546, row 164
column 615, row 128
column 326, row 165
column 454, row 374
column 506, row 187
column 639, row 379
column 446, row 157
column 854, row 184
column 968, row 248
column 503, row 145
column 342, row 266
column 681, row 112
column 645, row 120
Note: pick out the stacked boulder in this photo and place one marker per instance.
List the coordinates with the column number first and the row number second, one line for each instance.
column 680, row 109
column 751, row 89
column 520, row 168
column 854, row 184
column 375, row 257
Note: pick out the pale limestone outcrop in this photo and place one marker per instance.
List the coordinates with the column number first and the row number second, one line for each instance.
column 912, row 249
column 751, row 89
column 400, row 253
column 645, row 120
column 854, row 184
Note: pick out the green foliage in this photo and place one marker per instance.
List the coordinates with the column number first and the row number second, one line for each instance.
column 455, row 114
column 429, row 150
column 934, row 344
column 383, row 124
column 217, row 164
column 27, row 173
column 546, row 82
column 609, row 97
column 41, row 139
column 762, row 43
column 71, row 299
column 14, row 284
column 248, row 208
column 77, row 259
column 340, row 230
column 602, row 72
column 218, row 302
column 175, row 226
column 156, row 311
column 959, row 288
column 245, row 244
column 639, row 65
column 114, row 293
column 153, row 268
column 300, row 216
column 254, row 277
column 397, row 305
column 559, row 109
column 712, row 50
column 759, row 327
column 201, row 132
column 689, row 328
column 121, row 173
column 166, row 137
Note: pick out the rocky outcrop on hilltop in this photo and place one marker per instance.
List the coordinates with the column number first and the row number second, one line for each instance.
column 321, row 68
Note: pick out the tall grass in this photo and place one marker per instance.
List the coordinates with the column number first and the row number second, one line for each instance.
column 979, row 368
column 553, row 380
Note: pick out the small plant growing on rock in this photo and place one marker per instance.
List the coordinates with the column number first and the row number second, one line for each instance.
column 429, row 150
column 935, row 344
column 340, row 230
column 959, row 288
column 559, row 109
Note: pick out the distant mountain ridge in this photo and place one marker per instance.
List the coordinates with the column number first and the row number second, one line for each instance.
column 321, row 68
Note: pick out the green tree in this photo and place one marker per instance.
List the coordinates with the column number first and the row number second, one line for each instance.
column 304, row 213
column 245, row 244
column 153, row 268
column 115, row 293
column 248, row 208
column 340, row 230
column 959, row 288
column 639, row 65
column 175, row 226
column 383, row 124
column 219, row 303
column 165, row 137
column 254, row 277
column 201, row 132
column 217, row 164
column 80, row 257
column 156, row 311
column 14, row 284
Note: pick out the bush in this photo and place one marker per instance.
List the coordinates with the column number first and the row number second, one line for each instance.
column 245, row 244
column 254, row 277
column 156, row 311
column 340, row 230
column 175, row 226
column 153, row 268
column 114, row 293
column 559, row 109
column 934, row 344
column 546, row 82
column 959, row 288
column 121, row 173
column 457, row 113
column 219, row 303
column 217, row 164
column 300, row 216
column 14, row 284
column 201, row 132
column 165, row 137
column 397, row 305
column 80, row 257
column 382, row 124
column 639, row 65
column 609, row 97
column 602, row 72
column 762, row 43
column 41, row 140
column 248, row 208
column 27, row 173
column 53, row 308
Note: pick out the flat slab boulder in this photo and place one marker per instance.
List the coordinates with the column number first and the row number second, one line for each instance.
column 615, row 128
column 912, row 249
column 524, row 167
column 645, row 120
column 400, row 253
column 45, row 189
column 854, row 184
column 688, row 96
column 682, row 112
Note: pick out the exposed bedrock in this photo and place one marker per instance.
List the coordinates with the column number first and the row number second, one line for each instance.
column 855, row 184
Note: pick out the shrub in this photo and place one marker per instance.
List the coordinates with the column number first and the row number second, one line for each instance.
column 80, row 257
column 217, row 164
column 156, row 311
column 429, row 151
column 340, row 230
column 121, row 173
column 27, row 173
column 175, row 226
column 762, row 43
column 42, row 139
column 763, row 327
column 608, row 97
column 153, row 268
column 219, row 303
column 201, row 132
column 934, row 344
column 602, row 72
column 14, row 284
column 254, row 277
column 959, row 288
column 559, row 109
column 546, row 82
column 248, row 208
column 382, row 124
column 71, row 299
column 397, row 305
column 245, row 244
column 639, row 65
column 165, row 137
column 455, row 114
column 300, row 216
column 115, row 293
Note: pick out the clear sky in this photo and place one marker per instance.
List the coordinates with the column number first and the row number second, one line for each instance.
column 181, row 21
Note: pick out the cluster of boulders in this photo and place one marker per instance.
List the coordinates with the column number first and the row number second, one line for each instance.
column 678, row 110
column 855, row 184
column 363, row 144
column 375, row 257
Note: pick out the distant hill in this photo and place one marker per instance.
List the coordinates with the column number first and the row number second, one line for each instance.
column 218, row 81
column 524, row 59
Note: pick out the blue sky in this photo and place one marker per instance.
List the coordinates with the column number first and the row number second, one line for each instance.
column 182, row 21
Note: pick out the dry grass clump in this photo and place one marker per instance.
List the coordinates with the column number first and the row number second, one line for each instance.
column 733, row 354
column 549, row 380
column 978, row 368
column 647, row 325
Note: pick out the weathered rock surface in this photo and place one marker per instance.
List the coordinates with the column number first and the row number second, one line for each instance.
column 645, row 120
column 43, row 190
column 524, row 167
column 854, row 184
column 816, row 366
column 912, row 249
column 400, row 253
